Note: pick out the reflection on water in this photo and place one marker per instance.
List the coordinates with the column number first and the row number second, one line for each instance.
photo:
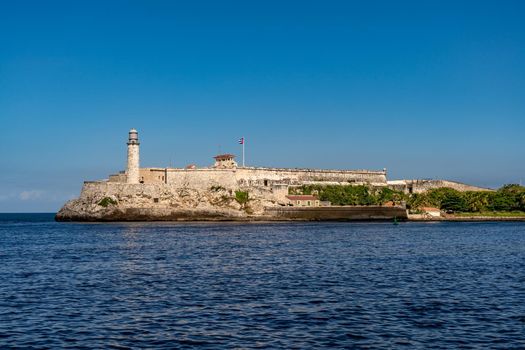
column 317, row 285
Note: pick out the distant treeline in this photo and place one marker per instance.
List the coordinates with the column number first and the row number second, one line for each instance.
column 507, row 198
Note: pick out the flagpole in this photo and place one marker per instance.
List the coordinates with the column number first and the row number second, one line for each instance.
column 243, row 141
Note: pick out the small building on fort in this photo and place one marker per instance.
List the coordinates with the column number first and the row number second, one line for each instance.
column 225, row 161
column 303, row 200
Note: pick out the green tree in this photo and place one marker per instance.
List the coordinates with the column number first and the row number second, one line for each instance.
column 454, row 202
column 501, row 201
column 477, row 201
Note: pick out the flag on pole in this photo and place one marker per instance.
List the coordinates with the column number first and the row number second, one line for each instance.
column 241, row 142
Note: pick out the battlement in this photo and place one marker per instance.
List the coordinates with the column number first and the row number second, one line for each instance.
column 257, row 176
column 299, row 170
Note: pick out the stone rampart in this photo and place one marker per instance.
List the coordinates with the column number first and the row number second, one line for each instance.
column 420, row 186
column 251, row 176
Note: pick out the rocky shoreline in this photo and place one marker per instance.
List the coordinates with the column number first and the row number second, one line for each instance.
column 274, row 214
column 350, row 213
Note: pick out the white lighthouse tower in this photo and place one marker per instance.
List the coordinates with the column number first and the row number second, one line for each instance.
column 132, row 170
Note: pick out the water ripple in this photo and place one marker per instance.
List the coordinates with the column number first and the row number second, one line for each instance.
column 317, row 285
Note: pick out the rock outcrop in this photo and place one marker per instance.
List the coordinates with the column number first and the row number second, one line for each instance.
column 107, row 201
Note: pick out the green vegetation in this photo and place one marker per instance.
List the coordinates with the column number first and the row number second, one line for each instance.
column 104, row 202
column 508, row 200
column 352, row 195
column 241, row 197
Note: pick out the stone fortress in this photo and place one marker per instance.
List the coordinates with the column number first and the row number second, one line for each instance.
column 210, row 193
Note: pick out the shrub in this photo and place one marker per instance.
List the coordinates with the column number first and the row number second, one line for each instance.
column 106, row 201
column 241, row 197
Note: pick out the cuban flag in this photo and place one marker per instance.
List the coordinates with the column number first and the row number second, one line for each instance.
column 241, row 141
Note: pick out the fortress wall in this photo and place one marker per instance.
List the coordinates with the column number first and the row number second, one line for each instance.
column 420, row 186
column 202, row 179
column 268, row 176
column 95, row 190
column 193, row 178
column 117, row 178
column 267, row 184
column 205, row 178
column 198, row 184
column 152, row 175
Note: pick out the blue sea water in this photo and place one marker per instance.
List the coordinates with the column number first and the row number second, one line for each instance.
column 293, row 285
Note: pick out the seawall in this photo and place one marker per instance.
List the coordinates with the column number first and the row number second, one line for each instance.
column 343, row 213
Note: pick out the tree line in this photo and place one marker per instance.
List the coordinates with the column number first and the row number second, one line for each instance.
column 507, row 198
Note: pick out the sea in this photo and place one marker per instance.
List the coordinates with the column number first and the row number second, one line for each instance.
column 315, row 285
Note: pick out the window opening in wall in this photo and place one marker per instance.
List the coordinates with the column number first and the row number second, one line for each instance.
column 155, row 200
column 265, row 182
column 309, row 203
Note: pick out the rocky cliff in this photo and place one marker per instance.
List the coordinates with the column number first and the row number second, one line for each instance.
column 107, row 201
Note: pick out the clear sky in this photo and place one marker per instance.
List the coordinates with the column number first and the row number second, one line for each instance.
column 427, row 89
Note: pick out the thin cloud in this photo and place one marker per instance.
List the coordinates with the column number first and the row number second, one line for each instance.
column 31, row 195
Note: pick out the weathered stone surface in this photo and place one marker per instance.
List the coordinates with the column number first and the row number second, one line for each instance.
column 160, row 202
column 420, row 186
column 203, row 178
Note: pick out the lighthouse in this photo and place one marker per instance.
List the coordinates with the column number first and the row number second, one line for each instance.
column 132, row 171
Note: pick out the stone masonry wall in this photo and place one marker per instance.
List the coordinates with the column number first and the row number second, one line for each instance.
column 420, row 186
column 264, row 177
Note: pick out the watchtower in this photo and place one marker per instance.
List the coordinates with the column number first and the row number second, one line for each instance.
column 225, row 161
column 132, row 171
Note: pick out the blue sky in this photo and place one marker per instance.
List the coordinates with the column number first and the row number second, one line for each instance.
column 427, row 89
